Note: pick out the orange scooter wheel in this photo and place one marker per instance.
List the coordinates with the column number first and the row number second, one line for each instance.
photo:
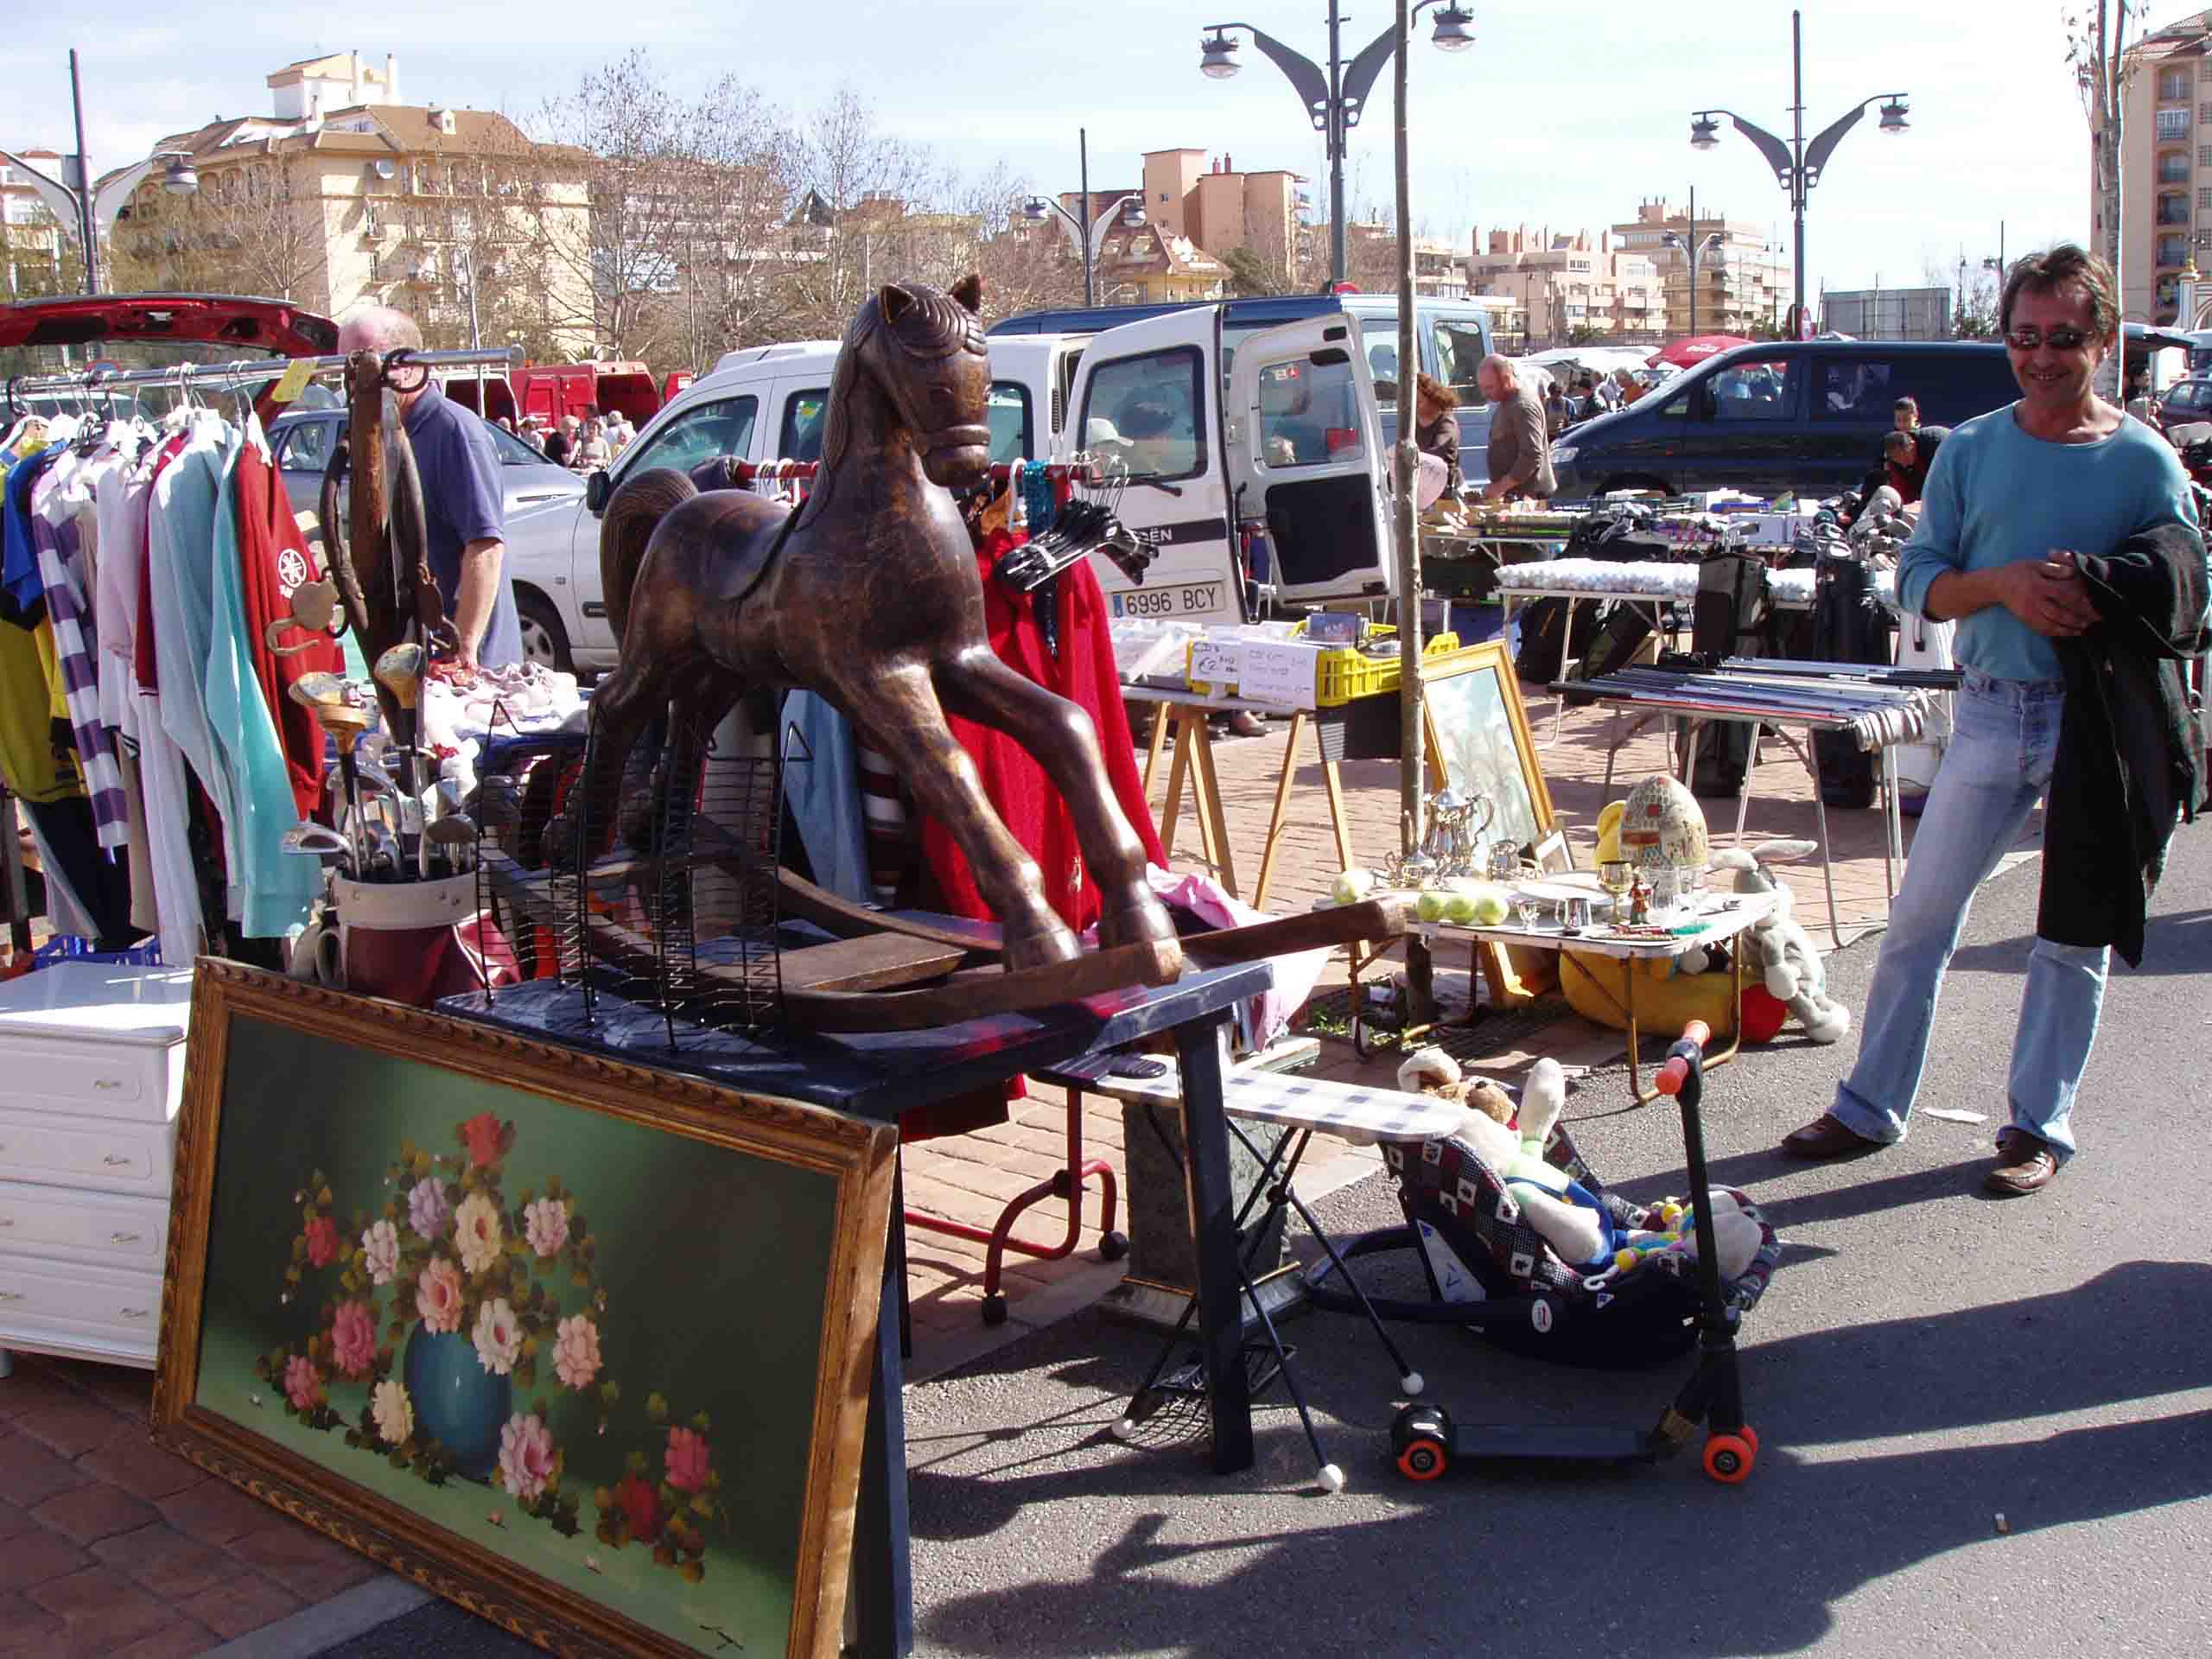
column 1729, row 1458
column 1423, row 1459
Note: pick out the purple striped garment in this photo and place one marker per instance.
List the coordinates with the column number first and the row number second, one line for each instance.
column 61, row 567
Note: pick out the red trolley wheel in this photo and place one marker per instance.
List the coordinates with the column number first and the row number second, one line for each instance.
column 1423, row 1459
column 1729, row 1458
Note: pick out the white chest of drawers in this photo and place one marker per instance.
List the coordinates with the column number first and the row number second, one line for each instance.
column 92, row 1072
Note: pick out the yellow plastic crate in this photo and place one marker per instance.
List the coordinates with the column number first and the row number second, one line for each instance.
column 1339, row 675
column 1346, row 674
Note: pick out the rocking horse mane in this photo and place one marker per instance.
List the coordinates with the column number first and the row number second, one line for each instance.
column 935, row 325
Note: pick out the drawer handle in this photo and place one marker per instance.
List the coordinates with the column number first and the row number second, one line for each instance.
column 124, row 1238
column 138, row 1313
column 107, row 1083
column 114, row 1160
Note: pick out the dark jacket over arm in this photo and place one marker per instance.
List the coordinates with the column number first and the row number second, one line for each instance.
column 2131, row 749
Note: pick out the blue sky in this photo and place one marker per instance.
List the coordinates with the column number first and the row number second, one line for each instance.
column 1559, row 115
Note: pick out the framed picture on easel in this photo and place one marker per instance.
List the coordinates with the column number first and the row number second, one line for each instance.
column 581, row 1346
column 1479, row 742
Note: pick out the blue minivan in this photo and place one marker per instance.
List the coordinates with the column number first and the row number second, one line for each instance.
column 1803, row 415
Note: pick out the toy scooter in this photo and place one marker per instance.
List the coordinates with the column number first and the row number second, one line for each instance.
column 1425, row 1442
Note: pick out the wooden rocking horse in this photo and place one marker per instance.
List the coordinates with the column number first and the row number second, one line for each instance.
column 868, row 595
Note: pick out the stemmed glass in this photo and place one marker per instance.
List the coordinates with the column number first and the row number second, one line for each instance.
column 1617, row 876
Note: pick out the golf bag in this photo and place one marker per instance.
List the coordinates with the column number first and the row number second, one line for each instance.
column 1849, row 625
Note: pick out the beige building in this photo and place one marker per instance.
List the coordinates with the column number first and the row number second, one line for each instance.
column 34, row 246
column 1743, row 283
column 1213, row 206
column 343, row 194
column 1565, row 283
column 2165, row 166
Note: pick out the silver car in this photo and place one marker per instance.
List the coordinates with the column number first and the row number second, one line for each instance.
column 301, row 441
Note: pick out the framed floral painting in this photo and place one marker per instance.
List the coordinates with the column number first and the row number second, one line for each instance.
column 582, row 1346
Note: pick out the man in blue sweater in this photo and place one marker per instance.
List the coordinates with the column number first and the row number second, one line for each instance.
column 2013, row 498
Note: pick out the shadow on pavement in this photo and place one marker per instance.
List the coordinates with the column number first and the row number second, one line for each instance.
column 1520, row 1562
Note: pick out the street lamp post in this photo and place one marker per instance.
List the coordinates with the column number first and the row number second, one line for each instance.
column 1693, row 246
column 1090, row 237
column 91, row 206
column 1334, row 97
column 1797, row 164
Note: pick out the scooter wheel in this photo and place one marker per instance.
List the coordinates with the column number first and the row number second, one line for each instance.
column 1729, row 1458
column 1421, row 1436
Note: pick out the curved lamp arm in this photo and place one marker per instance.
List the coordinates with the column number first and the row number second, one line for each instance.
column 1817, row 152
column 60, row 198
column 1775, row 151
column 1360, row 73
column 1305, row 76
column 1105, row 221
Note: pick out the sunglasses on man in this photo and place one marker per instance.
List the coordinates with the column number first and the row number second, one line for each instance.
column 2059, row 340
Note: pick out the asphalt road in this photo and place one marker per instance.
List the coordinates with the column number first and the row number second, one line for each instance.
column 1927, row 1360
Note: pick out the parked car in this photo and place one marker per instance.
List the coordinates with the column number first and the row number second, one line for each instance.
column 2186, row 401
column 1791, row 415
column 301, row 441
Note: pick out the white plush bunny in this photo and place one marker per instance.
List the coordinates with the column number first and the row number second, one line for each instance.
column 1795, row 973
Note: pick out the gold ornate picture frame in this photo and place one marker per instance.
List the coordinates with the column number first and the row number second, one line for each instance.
column 581, row 1346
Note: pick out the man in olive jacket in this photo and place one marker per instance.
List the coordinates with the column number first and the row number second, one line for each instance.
column 1520, row 452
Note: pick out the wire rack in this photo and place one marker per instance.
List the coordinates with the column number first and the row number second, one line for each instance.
column 659, row 889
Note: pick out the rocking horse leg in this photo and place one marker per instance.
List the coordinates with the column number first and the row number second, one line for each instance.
column 1062, row 738
column 900, row 713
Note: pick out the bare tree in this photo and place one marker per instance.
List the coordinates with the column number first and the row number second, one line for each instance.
column 2096, row 50
column 252, row 227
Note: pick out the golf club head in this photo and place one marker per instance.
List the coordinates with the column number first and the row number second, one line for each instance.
column 399, row 671
column 385, row 861
column 313, row 840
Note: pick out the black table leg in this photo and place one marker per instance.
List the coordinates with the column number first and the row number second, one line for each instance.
column 1199, row 1046
column 883, row 1568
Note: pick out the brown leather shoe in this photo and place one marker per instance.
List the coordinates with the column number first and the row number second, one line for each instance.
column 1827, row 1136
column 2024, row 1164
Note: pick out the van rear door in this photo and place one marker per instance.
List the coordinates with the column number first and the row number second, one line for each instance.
column 1146, row 397
column 1305, row 457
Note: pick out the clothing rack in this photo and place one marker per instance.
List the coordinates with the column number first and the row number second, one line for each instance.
column 244, row 372
column 748, row 472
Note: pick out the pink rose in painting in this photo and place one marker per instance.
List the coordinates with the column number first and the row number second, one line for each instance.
column 322, row 1241
column 482, row 1133
column 525, row 1456
column 498, row 1337
column 576, row 1351
column 353, row 1338
column 380, row 1250
column 437, row 1296
column 427, row 1211
column 545, row 1224
column 302, row 1382
column 687, row 1460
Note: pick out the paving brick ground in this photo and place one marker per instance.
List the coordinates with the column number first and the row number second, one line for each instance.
column 112, row 1548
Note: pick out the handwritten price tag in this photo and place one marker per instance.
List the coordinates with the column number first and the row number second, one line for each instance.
column 1218, row 662
column 1279, row 674
column 295, row 381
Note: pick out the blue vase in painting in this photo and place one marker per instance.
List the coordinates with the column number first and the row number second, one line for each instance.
column 457, row 1402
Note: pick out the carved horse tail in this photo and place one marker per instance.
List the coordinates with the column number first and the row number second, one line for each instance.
column 638, row 503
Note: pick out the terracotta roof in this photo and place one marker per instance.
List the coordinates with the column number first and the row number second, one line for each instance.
column 393, row 127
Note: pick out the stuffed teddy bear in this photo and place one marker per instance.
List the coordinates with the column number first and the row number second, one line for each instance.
column 1795, row 973
column 1432, row 1071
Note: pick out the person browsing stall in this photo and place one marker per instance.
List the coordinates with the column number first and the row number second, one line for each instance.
column 463, row 499
column 2031, row 513
column 1923, row 441
column 1437, row 428
column 1520, row 453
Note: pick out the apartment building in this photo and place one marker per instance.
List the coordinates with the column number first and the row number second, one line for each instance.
column 2165, row 165
column 1208, row 203
column 32, row 244
column 1569, row 286
column 343, row 194
column 1743, row 282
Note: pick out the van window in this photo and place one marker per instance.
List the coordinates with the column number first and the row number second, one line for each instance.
column 1676, row 408
column 1307, row 413
column 1145, row 411
column 1009, row 418
column 1383, row 365
column 1750, row 391
column 723, row 427
column 1458, row 355
column 1856, row 389
column 801, row 437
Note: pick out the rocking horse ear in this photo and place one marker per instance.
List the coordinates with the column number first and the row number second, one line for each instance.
column 968, row 290
column 894, row 302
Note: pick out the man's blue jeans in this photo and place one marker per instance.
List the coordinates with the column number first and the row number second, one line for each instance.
column 1996, row 767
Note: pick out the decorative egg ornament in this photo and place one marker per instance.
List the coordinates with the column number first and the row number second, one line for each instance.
column 1663, row 826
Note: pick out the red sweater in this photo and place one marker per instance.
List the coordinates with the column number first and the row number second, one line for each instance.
column 275, row 559
column 1025, row 800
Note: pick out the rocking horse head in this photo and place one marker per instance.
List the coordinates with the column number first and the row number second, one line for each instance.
column 925, row 350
